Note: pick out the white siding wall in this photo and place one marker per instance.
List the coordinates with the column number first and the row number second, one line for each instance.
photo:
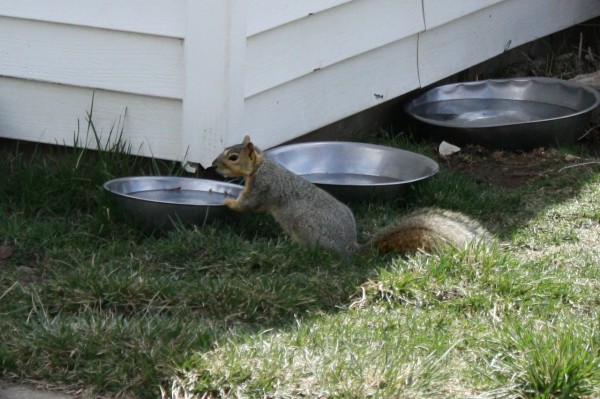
column 324, row 66
column 448, row 48
column 51, row 70
column 187, row 77
column 91, row 57
column 153, row 17
column 440, row 12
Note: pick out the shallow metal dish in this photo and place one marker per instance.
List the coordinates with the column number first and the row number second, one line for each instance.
column 355, row 171
column 512, row 114
column 161, row 201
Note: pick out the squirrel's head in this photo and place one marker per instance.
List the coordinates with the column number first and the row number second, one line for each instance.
column 240, row 160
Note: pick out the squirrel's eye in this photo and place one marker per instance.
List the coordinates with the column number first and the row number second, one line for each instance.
column 233, row 157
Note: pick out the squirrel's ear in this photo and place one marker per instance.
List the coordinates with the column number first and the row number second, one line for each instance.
column 250, row 149
column 248, row 146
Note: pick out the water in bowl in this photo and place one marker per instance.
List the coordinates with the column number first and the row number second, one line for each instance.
column 178, row 196
column 490, row 112
column 349, row 179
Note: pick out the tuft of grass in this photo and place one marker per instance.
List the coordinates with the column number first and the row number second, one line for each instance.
column 556, row 359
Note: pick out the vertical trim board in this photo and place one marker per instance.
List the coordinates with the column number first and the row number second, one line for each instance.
column 213, row 100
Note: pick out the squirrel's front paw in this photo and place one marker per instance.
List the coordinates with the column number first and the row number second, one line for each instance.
column 230, row 202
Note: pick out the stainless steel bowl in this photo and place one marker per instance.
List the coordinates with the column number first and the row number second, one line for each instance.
column 511, row 114
column 355, row 171
column 161, row 201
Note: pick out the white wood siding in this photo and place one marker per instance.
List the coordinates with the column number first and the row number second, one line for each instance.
column 478, row 36
column 50, row 113
column 268, row 14
column 153, row 17
column 196, row 75
column 321, row 40
column 90, row 57
column 439, row 12
column 303, row 105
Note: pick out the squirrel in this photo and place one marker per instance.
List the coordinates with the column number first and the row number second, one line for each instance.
column 313, row 217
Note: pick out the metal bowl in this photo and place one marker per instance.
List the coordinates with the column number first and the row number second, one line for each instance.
column 161, row 201
column 510, row 114
column 355, row 171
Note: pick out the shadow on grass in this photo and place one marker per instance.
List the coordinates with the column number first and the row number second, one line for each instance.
column 89, row 300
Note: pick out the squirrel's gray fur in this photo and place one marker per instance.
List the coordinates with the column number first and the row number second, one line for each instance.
column 313, row 217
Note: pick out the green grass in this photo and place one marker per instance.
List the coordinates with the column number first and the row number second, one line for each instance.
column 89, row 302
column 546, row 359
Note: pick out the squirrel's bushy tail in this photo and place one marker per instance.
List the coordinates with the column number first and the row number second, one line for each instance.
column 429, row 230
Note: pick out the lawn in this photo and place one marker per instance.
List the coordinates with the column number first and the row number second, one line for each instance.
column 91, row 303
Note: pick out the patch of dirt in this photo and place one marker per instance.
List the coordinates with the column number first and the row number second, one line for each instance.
column 512, row 169
column 15, row 391
column 6, row 252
